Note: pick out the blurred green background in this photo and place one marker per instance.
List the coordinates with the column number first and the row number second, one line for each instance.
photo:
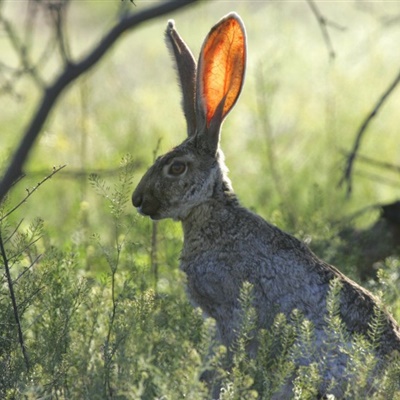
column 284, row 143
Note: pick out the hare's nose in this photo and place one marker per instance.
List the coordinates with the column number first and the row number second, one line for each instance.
column 137, row 199
column 146, row 204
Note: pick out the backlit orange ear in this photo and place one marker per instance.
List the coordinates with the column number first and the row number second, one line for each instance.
column 222, row 65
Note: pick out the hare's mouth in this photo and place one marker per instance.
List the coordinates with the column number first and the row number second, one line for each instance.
column 153, row 216
column 140, row 211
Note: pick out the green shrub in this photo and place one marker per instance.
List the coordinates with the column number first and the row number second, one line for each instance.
column 118, row 331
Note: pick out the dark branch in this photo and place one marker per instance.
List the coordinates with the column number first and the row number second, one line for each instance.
column 68, row 75
column 347, row 175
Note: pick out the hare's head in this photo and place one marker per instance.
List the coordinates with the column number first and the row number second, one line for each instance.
column 194, row 171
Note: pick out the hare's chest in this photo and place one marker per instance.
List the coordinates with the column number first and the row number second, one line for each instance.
column 212, row 286
column 211, row 283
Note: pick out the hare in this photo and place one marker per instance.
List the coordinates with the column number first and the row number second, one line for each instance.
column 226, row 245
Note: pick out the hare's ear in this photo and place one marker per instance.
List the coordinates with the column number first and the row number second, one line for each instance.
column 220, row 76
column 186, row 66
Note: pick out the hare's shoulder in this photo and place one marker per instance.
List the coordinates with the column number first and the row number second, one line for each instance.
column 238, row 245
column 237, row 239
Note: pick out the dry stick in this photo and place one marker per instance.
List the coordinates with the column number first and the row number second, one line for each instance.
column 323, row 23
column 154, row 252
column 58, row 14
column 71, row 72
column 31, row 17
column 350, row 160
column 21, row 50
column 80, row 173
column 375, row 163
column 378, row 163
column 15, row 256
column 154, row 233
column 378, row 178
column 14, row 303
column 33, row 190
column 11, row 235
column 32, row 264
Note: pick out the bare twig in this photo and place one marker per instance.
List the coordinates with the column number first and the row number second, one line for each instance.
column 15, row 256
column 21, row 46
column 154, row 232
column 377, row 163
column 14, row 303
column 378, row 178
column 31, row 15
column 22, row 51
column 154, row 252
column 347, row 175
column 31, row 191
column 324, row 23
column 15, row 230
column 37, row 258
column 58, row 14
column 109, row 347
column 79, row 173
column 71, row 73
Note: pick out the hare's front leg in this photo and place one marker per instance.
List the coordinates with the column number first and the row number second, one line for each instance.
column 212, row 288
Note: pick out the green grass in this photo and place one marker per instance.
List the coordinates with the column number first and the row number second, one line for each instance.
column 103, row 314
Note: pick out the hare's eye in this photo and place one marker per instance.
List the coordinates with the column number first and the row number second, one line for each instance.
column 177, row 168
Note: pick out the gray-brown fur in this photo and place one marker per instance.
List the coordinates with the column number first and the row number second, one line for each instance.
column 226, row 245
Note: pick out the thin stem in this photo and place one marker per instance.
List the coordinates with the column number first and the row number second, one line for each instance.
column 14, row 303
column 377, row 163
column 22, row 52
column 324, row 23
column 33, row 190
column 154, row 252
